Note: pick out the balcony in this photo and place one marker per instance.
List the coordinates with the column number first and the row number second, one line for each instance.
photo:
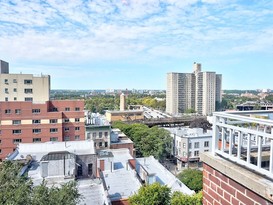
column 246, row 139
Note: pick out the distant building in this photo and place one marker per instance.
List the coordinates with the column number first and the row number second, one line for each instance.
column 28, row 122
column 198, row 91
column 23, row 87
column 189, row 143
column 122, row 102
column 126, row 115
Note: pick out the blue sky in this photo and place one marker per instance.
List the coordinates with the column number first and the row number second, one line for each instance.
column 101, row 44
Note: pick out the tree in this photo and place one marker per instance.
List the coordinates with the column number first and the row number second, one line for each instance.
column 179, row 198
column 192, row 178
column 17, row 190
column 200, row 123
column 154, row 194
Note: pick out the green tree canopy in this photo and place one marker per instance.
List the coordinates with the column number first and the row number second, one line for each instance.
column 179, row 198
column 153, row 194
column 19, row 190
column 192, row 178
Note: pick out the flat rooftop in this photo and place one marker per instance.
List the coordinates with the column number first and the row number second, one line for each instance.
column 163, row 176
column 189, row 132
column 38, row 150
column 122, row 181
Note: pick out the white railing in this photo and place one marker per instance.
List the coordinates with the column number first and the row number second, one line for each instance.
column 245, row 138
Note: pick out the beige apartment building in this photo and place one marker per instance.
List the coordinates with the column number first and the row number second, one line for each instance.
column 23, row 87
column 197, row 90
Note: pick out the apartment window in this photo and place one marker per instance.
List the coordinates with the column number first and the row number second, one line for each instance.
column 17, row 111
column 184, row 145
column 28, row 99
column 77, row 119
column 66, row 120
column 15, row 98
column 105, row 134
column 16, row 141
column 206, row 150
column 36, row 121
column 8, row 111
column 16, row 131
column 100, row 144
column 35, row 111
column 77, row 137
column 15, row 90
column 189, row 154
column 94, row 134
column 16, row 122
column 66, row 138
column 67, row 109
column 36, row 140
column 196, row 153
column 189, row 145
column 28, row 90
column 196, row 145
column 106, row 144
column 6, row 99
column 14, row 80
column 66, row 129
column 100, row 134
column 206, row 144
column 36, row 131
column 77, row 128
column 53, row 130
column 53, row 139
column 6, row 81
column 28, row 82
column 54, row 109
column 53, row 121
column 0, row 151
column 77, row 109
column 6, row 90
column 0, row 141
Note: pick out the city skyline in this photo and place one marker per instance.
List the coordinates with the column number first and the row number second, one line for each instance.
column 133, row 44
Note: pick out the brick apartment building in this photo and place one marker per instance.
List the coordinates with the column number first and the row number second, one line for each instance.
column 27, row 122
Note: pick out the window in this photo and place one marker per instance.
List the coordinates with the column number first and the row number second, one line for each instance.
column 206, row 150
column 77, row 128
column 35, row 111
column 6, row 90
column 36, row 121
column 0, row 151
column 16, row 122
column 100, row 134
column 6, row 99
column 66, row 138
column 189, row 145
column 196, row 153
column 106, row 144
column 53, row 130
column 94, row 134
column 184, row 145
column 15, row 90
column 6, row 81
column 17, row 111
column 66, row 120
column 15, row 98
column 67, row 109
column 14, row 80
column 0, row 141
column 77, row 119
column 196, row 145
column 54, row 109
column 16, row 131
column 52, row 121
column 77, row 137
column 28, row 90
column 206, row 144
column 105, row 134
column 36, row 131
column 100, row 144
column 77, row 109
column 28, row 82
column 28, row 99
column 53, row 139
column 8, row 111
column 16, row 141
column 66, row 129
column 184, row 154
column 36, row 140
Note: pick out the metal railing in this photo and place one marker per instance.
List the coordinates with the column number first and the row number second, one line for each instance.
column 245, row 138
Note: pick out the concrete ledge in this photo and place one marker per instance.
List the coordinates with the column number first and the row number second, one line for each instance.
column 257, row 183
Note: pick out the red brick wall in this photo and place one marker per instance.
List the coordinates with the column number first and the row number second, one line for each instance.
column 219, row 189
column 129, row 146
